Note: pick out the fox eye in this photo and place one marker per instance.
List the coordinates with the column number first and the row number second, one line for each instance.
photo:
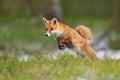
column 46, row 29
column 51, row 28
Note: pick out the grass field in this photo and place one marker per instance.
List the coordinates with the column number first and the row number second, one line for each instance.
column 26, row 35
column 66, row 67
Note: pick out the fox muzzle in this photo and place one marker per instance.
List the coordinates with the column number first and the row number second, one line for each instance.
column 48, row 35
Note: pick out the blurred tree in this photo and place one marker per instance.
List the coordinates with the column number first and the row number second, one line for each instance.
column 24, row 6
column 0, row 6
column 113, row 32
column 14, row 7
column 87, row 8
column 115, row 28
column 57, row 9
column 46, row 8
column 38, row 7
column 54, row 10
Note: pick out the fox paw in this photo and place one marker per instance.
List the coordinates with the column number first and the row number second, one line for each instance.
column 62, row 47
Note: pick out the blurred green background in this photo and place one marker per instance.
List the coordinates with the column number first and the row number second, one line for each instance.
column 27, row 54
column 22, row 29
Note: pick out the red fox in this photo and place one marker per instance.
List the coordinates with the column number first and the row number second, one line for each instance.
column 68, row 37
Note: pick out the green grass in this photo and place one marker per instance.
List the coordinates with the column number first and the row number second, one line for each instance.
column 17, row 33
column 66, row 67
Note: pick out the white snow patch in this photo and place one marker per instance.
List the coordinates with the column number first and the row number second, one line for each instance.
column 54, row 54
column 108, row 54
column 25, row 57
column 103, row 54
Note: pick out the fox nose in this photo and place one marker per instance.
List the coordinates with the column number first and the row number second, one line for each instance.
column 46, row 34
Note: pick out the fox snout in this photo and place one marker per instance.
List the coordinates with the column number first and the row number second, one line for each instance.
column 47, row 34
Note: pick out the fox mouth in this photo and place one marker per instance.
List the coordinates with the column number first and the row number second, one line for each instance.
column 54, row 34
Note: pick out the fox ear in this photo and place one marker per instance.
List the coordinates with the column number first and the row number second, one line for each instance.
column 54, row 21
column 45, row 20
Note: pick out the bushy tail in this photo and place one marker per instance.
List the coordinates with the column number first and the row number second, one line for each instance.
column 85, row 32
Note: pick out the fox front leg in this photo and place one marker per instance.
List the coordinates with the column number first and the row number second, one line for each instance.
column 61, row 43
column 64, row 42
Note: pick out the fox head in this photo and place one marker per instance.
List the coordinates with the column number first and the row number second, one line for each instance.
column 52, row 27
